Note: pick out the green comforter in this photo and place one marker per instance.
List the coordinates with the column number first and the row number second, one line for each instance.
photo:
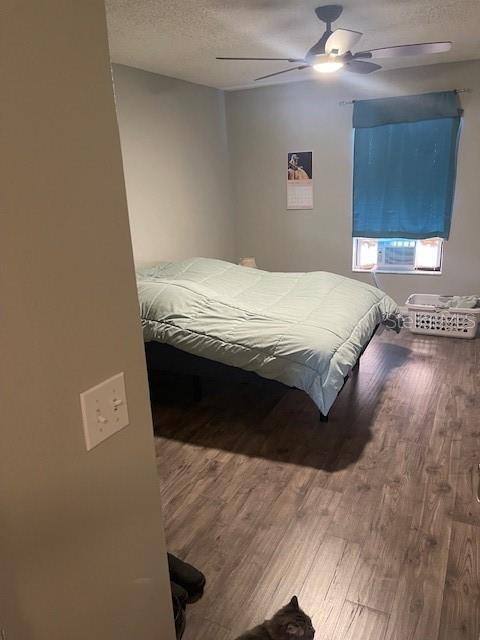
column 303, row 329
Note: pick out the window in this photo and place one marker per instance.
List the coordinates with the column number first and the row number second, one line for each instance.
column 405, row 152
column 398, row 255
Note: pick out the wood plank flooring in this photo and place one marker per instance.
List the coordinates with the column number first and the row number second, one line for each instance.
column 371, row 519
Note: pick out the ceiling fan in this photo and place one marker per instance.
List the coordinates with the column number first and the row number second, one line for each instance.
column 333, row 51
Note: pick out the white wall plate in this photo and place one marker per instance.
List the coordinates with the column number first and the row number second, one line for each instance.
column 104, row 410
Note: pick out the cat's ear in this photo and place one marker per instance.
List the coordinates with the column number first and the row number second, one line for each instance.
column 295, row 630
column 294, row 603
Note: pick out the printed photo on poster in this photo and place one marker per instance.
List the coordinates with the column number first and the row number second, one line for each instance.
column 300, row 180
column 300, row 165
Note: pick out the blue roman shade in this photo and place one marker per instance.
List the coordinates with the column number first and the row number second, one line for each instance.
column 405, row 156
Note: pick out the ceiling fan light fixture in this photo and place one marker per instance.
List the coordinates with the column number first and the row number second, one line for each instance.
column 327, row 64
column 328, row 67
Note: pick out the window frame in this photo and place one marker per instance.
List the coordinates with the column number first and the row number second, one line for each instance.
column 400, row 272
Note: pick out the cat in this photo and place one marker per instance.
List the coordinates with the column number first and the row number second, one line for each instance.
column 290, row 623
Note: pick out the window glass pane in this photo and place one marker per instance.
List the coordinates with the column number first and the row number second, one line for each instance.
column 367, row 253
column 428, row 254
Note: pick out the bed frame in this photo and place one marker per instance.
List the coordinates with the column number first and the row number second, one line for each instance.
column 163, row 358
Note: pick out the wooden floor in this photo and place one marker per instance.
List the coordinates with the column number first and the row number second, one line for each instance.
column 371, row 519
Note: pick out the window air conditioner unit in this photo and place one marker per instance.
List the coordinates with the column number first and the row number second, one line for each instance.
column 396, row 255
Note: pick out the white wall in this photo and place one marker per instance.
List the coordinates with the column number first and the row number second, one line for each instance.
column 265, row 123
column 82, row 553
column 174, row 145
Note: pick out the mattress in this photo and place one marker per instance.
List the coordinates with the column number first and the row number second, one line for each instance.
column 305, row 330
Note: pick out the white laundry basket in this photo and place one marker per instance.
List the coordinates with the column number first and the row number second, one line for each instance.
column 429, row 314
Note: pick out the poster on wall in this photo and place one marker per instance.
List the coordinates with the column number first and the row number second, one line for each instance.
column 300, row 180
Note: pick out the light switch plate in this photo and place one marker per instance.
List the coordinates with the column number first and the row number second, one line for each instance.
column 104, row 410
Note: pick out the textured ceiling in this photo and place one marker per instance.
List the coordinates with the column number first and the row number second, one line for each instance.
column 181, row 38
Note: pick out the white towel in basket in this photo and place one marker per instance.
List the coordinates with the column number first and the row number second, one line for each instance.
column 463, row 302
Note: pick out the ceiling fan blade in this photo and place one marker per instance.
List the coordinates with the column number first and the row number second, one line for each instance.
column 270, row 75
column 420, row 49
column 361, row 66
column 341, row 41
column 279, row 59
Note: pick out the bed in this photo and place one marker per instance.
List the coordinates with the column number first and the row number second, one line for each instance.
column 305, row 330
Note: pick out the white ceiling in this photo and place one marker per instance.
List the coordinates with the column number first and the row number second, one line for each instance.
column 181, row 38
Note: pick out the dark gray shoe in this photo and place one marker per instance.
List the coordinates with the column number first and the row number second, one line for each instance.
column 183, row 574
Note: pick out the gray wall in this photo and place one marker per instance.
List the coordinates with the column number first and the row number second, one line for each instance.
column 265, row 123
column 174, row 145
column 81, row 542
